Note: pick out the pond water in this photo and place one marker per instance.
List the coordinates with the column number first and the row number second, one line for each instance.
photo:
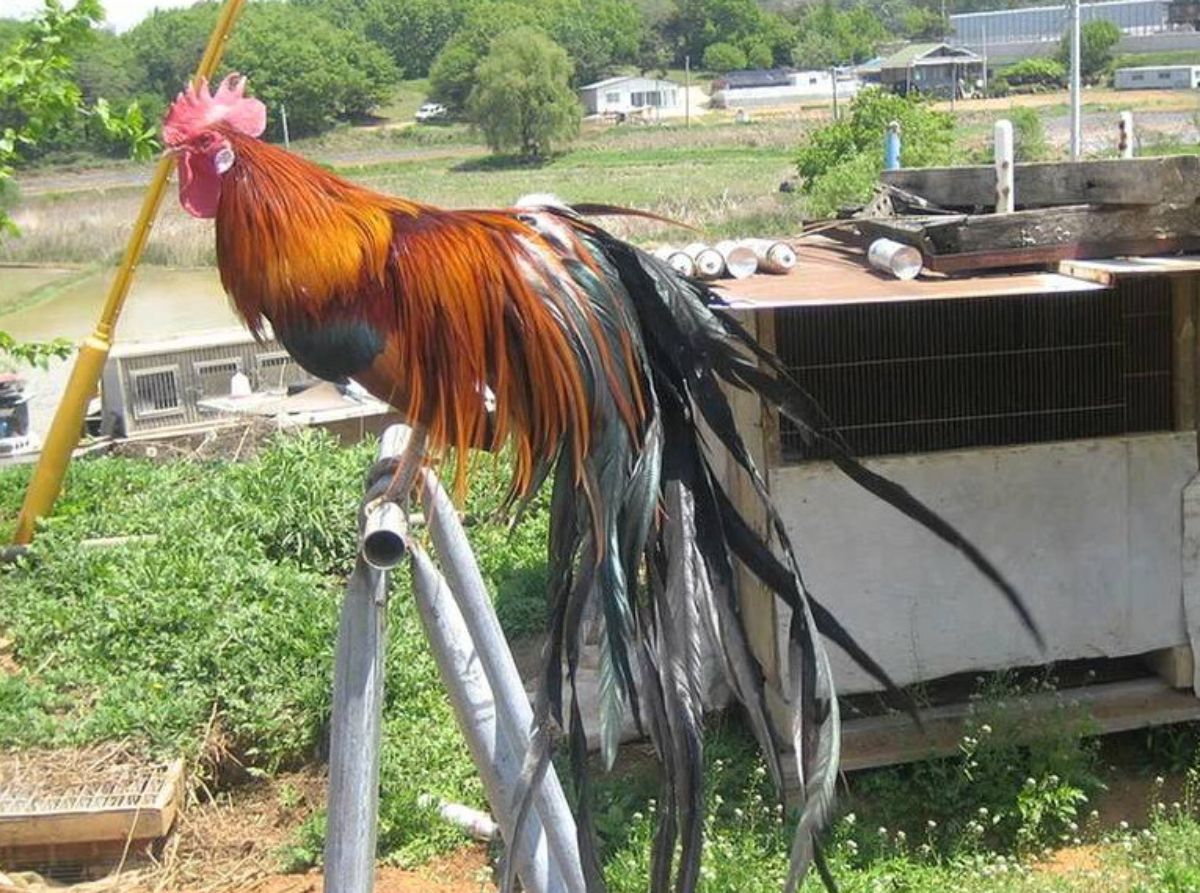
column 162, row 303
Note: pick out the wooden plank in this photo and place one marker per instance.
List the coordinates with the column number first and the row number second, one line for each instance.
column 1175, row 666
column 758, row 603
column 1026, row 238
column 876, row 741
column 1138, row 181
column 1183, row 352
column 83, row 825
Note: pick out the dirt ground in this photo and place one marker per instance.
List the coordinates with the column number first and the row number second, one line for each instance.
column 232, row 843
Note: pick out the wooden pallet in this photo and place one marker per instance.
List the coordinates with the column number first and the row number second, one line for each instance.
column 1113, row 707
column 140, row 807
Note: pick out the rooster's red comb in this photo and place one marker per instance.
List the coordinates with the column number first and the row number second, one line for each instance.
column 197, row 109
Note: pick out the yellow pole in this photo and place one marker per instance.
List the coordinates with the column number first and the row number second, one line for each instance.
column 67, row 426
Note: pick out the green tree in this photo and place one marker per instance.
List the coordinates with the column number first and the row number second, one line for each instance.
column 849, row 151
column 523, row 100
column 291, row 55
column 413, row 31
column 815, row 50
column 697, row 24
column 721, row 57
column 38, row 95
column 1097, row 40
column 839, row 36
column 596, row 35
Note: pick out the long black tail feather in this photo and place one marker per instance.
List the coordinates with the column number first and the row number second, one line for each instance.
column 646, row 541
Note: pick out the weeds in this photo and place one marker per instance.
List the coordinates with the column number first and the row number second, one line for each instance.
column 219, row 632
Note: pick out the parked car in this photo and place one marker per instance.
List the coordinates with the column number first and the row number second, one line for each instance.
column 431, row 111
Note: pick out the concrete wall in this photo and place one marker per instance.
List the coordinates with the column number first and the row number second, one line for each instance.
column 1090, row 531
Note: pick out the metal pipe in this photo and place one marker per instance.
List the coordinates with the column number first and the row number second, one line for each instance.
column 675, row 259
column 389, row 483
column 460, row 664
column 66, row 428
column 1076, row 85
column 353, row 802
column 773, row 256
column 475, row 822
column 709, row 263
column 740, row 261
column 891, row 147
column 512, row 703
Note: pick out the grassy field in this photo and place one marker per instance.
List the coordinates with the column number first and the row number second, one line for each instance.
column 215, row 640
column 722, row 177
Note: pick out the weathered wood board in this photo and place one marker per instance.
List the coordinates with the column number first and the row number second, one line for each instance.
column 1134, row 181
column 1026, row 238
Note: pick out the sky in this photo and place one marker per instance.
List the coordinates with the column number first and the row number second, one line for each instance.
column 122, row 14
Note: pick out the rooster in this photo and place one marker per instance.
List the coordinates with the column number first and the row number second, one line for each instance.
column 598, row 366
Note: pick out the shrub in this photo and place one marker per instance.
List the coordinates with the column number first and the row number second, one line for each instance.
column 1036, row 71
column 1029, row 135
column 722, row 57
column 850, row 150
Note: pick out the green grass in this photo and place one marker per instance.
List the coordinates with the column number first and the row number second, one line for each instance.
column 722, row 178
column 231, row 613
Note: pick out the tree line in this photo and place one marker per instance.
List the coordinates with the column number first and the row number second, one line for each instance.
column 338, row 60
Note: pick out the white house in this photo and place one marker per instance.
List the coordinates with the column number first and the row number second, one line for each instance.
column 1158, row 77
column 745, row 89
column 630, row 93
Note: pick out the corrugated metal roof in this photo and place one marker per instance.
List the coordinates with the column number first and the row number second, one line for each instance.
column 917, row 53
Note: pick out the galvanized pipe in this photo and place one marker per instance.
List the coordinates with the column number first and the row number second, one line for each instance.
column 353, row 802
column 512, row 703
column 384, row 526
column 462, row 670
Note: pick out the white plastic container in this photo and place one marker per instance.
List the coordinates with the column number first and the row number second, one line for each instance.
column 888, row 256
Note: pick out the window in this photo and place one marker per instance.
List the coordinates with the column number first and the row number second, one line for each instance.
column 275, row 370
column 155, row 392
column 637, row 99
column 213, row 377
column 1137, row 77
column 812, row 80
column 612, row 97
column 1164, row 75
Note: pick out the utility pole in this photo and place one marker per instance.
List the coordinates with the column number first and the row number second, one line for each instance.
column 287, row 142
column 1076, row 86
column 833, row 77
column 687, row 92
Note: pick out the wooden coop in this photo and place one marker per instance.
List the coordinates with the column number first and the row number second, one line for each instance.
column 1050, row 414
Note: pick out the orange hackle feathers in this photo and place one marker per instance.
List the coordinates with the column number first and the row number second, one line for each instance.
column 466, row 299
